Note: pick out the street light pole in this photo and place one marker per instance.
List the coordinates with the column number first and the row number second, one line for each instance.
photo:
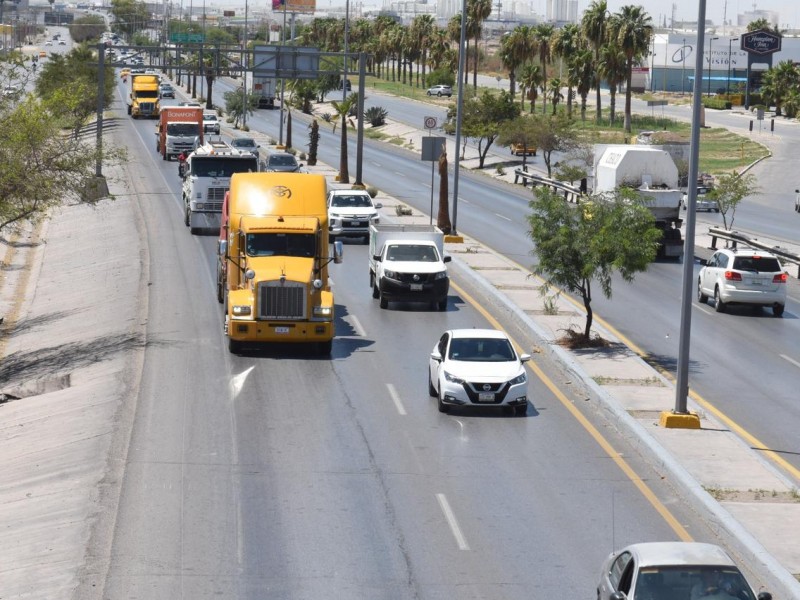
column 683, row 69
column 711, row 39
column 728, row 82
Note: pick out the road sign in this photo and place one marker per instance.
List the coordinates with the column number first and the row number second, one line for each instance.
column 657, row 103
column 430, row 122
column 182, row 38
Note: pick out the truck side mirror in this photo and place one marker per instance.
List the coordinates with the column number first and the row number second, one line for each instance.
column 222, row 247
column 447, row 258
column 182, row 169
column 376, row 257
column 338, row 252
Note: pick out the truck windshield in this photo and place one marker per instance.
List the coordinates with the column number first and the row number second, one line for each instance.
column 281, row 244
column 147, row 94
column 186, row 129
column 412, row 253
column 223, row 167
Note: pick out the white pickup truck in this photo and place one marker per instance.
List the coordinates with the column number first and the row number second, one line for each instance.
column 407, row 264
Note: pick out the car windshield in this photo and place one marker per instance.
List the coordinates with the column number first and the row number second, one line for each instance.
column 412, row 252
column 209, row 117
column 684, row 582
column 757, row 264
column 222, row 167
column 481, row 350
column 281, row 244
column 282, row 161
column 354, row 201
column 243, row 143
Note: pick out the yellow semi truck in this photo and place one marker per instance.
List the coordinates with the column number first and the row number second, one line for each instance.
column 274, row 252
column 143, row 100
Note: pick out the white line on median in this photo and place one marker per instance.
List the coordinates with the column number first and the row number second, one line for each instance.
column 451, row 520
column 791, row 360
column 396, row 398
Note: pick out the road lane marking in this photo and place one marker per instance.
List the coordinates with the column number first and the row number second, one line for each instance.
column 396, row 399
column 357, row 326
column 502, row 217
column 598, row 437
column 237, row 381
column 791, row 360
column 452, row 522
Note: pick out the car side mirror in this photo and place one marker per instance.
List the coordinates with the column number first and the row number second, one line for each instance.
column 436, row 355
column 376, row 257
column 524, row 358
column 764, row 596
column 378, row 205
column 447, row 258
column 618, row 596
column 182, row 169
column 338, row 252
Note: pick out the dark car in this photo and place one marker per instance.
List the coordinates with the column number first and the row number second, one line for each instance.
column 282, row 162
column 347, row 84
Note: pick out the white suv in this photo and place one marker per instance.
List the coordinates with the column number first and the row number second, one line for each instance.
column 352, row 211
column 737, row 276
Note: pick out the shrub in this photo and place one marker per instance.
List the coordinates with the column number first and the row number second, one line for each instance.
column 372, row 191
column 717, row 103
column 376, row 115
column 440, row 77
column 327, row 117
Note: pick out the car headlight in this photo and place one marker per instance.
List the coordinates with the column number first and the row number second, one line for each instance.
column 323, row 311
column 440, row 275
column 241, row 311
column 452, row 378
column 521, row 378
column 335, row 215
column 391, row 274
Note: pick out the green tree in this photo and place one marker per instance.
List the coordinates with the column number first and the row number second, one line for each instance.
column 236, row 104
column 553, row 134
column 578, row 244
column 631, row 29
column 582, row 72
column 521, row 130
column 567, row 41
column 542, row 40
column 483, row 118
column 87, row 28
column 612, row 68
column 530, row 79
column 729, row 190
column 763, row 24
column 130, row 16
column 40, row 166
column 778, row 83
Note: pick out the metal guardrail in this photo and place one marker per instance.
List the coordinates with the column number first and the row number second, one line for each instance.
column 741, row 238
column 571, row 193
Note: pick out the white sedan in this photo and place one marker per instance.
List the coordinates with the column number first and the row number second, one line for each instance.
column 477, row 367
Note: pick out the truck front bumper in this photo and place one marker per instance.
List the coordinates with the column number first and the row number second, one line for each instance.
column 205, row 219
column 245, row 330
column 410, row 292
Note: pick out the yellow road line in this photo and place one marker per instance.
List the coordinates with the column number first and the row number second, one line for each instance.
column 645, row 490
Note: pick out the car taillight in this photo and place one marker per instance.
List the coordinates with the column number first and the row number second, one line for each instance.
column 733, row 276
column 780, row 278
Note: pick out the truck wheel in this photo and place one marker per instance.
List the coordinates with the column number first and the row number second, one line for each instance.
column 220, row 287
column 186, row 217
column 384, row 302
column 442, row 305
column 376, row 293
column 129, row 110
column 234, row 346
column 325, row 348
column 332, row 238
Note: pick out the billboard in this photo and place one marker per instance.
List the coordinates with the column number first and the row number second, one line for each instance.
column 295, row 6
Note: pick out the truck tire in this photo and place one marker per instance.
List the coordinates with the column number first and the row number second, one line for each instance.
column 442, row 305
column 234, row 346
column 186, row 217
column 383, row 300
column 220, row 287
column 325, row 348
column 376, row 293
column 129, row 110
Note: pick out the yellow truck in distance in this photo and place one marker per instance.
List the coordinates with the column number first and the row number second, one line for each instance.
column 274, row 252
column 143, row 100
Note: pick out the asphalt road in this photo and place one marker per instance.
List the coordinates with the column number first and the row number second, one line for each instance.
column 277, row 474
column 744, row 362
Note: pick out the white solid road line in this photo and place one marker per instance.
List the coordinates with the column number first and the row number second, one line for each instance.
column 502, row 217
column 396, row 399
column 791, row 360
column 360, row 332
column 451, row 520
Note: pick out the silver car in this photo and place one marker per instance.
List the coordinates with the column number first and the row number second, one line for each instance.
column 703, row 201
column 477, row 367
column 282, row 162
column 686, row 570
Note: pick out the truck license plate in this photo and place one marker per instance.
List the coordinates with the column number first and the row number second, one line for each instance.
column 281, row 330
column 355, row 223
column 485, row 397
column 416, row 287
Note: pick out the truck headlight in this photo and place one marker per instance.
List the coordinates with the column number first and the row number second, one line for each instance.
column 440, row 275
column 199, row 205
column 391, row 274
column 241, row 311
column 323, row 311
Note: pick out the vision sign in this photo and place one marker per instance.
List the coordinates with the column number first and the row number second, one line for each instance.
column 761, row 42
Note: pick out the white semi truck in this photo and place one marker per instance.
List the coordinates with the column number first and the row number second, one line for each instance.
column 207, row 177
column 407, row 264
column 653, row 174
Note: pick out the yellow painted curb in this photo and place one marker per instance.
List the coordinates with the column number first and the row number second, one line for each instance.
column 672, row 420
column 453, row 239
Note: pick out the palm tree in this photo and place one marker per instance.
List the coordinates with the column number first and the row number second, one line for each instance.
column 424, row 26
column 341, row 111
column 530, row 79
column 542, row 39
column 478, row 11
column 566, row 41
column 554, row 92
column 612, row 69
column 437, row 48
column 582, row 70
column 593, row 25
column 631, row 28
column 515, row 49
column 778, row 82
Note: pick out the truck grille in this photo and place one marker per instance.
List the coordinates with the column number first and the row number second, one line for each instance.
column 216, row 194
column 281, row 300
column 147, row 108
column 416, row 277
